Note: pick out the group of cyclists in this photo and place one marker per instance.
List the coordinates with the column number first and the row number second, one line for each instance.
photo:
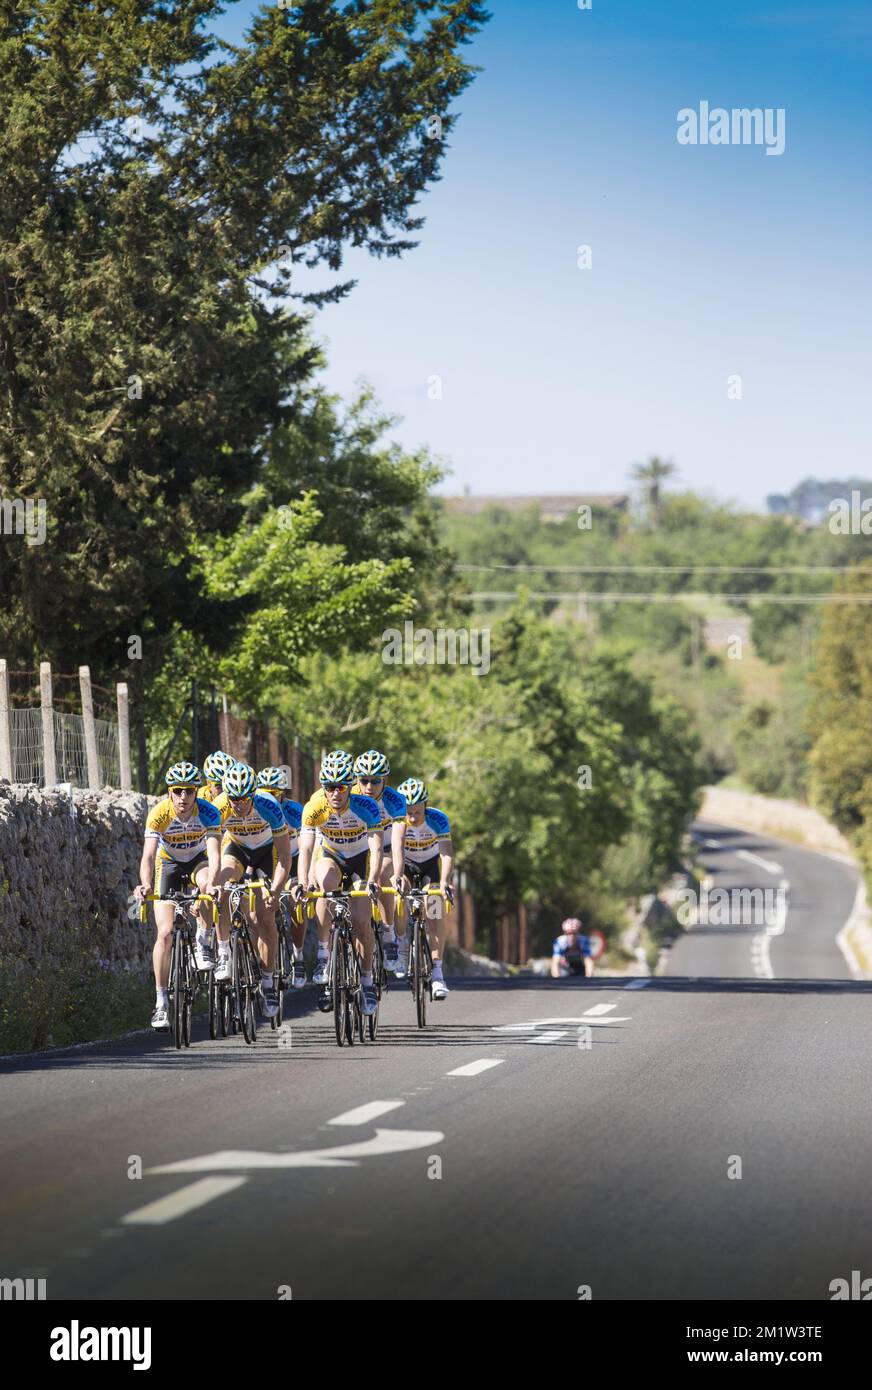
column 217, row 826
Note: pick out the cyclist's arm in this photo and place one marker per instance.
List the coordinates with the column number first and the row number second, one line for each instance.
column 283, row 862
column 375, row 841
column 556, row 967
column 398, row 849
column 446, row 860
column 307, row 843
column 213, row 860
column 146, row 866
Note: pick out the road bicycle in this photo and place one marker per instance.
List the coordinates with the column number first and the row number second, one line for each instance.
column 420, row 956
column 185, row 977
column 233, row 1002
column 343, row 968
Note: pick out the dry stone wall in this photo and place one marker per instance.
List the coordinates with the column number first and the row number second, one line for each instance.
column 59, row 871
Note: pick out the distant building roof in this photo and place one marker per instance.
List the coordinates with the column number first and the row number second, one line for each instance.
column 553, row 506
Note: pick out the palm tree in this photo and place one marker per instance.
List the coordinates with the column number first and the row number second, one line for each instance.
column 651, row 475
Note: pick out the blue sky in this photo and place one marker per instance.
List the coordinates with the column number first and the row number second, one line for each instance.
column 707, row 261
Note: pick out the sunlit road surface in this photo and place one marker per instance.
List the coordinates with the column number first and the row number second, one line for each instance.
column 704, row 1135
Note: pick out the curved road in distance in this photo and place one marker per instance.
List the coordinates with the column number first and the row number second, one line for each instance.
column 538, row 1139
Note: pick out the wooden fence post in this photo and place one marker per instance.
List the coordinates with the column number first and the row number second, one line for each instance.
column 5, row 725
column 49, row 764
column 90, row 729
column 123, row 737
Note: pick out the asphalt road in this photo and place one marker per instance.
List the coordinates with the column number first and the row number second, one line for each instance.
column 590, row 1143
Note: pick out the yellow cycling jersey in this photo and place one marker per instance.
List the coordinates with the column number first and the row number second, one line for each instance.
column 427, row 839
column 179, row 839
column 344, row 832
column 263, row 823
column 391, row 805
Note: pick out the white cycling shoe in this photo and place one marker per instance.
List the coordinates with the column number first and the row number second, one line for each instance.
column 402, row 967
column 222, row 970
column 204, row 955
column 320, row 975
column 299, row 980
column 160, row 1021
column 440, row 990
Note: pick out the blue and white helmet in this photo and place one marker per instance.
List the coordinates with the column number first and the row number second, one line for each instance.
column 371, row 764
column 217, row 764
column 338, row 766
column 240, row 781
column 413, row 790
column 184, row 774
column 273, row 778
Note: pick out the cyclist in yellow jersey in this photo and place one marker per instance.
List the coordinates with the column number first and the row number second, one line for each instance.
column 181, row 851
column 255, row 837
column 372, row 769
column 341, row 847
column 275, row 781
column 429, row 855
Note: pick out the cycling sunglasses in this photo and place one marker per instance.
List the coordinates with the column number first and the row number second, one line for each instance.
column 333, row 786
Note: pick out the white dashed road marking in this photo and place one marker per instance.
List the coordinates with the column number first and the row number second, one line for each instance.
column 768, row 864
column 364, row 1113
column 473, row 1068
column 180, row 1203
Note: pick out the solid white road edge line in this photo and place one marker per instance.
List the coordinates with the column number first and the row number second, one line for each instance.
column 842, row 941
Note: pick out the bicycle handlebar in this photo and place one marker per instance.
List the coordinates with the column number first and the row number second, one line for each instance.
column 176, row 898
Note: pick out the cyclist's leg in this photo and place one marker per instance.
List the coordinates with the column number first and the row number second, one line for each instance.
column 263, row 863
column 298, row 931
column 328, row 877
column 203, row 915
column 361, row 919
column 435, row 916
column 165, row 876
column 388, row 908
column 232, row 869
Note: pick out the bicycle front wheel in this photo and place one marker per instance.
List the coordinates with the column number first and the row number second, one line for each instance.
column 353, row 1022
column 421, row 989
column 188, row 990
column 242, row 1000
column 175, row 1009
column 339, row 992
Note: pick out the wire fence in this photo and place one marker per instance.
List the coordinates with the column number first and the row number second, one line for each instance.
column 28, row 764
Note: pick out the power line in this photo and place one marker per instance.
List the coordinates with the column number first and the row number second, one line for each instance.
column 664, row 569
column 581, row 595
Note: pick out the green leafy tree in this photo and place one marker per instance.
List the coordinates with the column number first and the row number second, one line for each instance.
column 159, row 190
